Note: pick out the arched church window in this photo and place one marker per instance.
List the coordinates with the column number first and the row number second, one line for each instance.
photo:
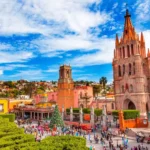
column 128, row 51
column 124, row 69
column 67, row 74
column 123, row 53
column 119, row 71
column 131, row 88
column 134, row 68
column 132, row 50
column 122, row 88
column 130, row 69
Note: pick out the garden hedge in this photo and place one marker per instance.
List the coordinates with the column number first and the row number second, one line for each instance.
column 13, row 138
column 128, row 114
column 98, row 112
column 11, row 117
column 64, row 143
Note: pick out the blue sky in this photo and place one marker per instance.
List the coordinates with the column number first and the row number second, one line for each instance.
column 37, row 36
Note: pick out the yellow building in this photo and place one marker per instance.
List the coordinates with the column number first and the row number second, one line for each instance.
column 4, row 106
column 45, row 104
column 16, row 102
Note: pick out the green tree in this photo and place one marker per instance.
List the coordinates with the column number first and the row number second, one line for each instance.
column 103, row 81
column 56, row 119
column 96, row 89
column 30, row 86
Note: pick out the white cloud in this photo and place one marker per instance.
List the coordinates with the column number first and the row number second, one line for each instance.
column 52, row 70
column 1, row 72
column 27, row 16
column 13, row 66
column 21, row 56
column 104, row 55
column 5, row 46
column 115, row 6
column 143, row 10
column 69, row 42
column 147, row 38
column 12, row 20
column 49, row 17
column 29, row 75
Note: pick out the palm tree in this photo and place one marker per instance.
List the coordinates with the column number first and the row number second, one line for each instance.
column 96, row 90
column 103, row 81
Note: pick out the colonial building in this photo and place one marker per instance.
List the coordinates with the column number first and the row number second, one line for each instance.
column 131, row 67
column 109, row 103
column 83, row 96
column 4, row 106
column 67, row 95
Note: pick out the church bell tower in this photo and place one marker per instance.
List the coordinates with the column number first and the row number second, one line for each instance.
column 65, row 88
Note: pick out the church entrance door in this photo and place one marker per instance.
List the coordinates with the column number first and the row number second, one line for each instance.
column 131, row 105
column 128, row 104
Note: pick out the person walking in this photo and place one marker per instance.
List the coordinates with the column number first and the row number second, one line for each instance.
column 91, row 147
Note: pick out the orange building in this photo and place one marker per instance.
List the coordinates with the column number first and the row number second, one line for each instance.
column 65, row 88
column 18, row 102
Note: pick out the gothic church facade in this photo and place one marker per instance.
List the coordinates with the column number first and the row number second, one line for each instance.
column 131, row 67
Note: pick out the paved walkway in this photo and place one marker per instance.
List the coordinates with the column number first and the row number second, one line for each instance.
column 98, row 146
column 132, row 141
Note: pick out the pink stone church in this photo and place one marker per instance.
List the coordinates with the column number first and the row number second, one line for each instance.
column 131, row 67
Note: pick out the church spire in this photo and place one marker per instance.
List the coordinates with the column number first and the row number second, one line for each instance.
column 117, row 40
column 129, row 32
column 142, row 38
column 142, row 45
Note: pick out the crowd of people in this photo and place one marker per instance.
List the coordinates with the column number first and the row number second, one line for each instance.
column 97, row 135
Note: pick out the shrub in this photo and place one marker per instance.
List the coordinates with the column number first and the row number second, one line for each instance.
column 64, row 143
column 98, row 112
column 11, row 117
column 13, row 138
column 128, row 114
column 115, row 113
column 86, row 110
column 131, row 114
column 75, row 110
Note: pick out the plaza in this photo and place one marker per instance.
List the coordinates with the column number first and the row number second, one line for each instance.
column 90, row 142
column 67, row 82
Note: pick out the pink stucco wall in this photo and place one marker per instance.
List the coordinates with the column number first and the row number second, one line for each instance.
column 77, row 92
column 50, row 96
column 110, row 104
column 82, row 90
